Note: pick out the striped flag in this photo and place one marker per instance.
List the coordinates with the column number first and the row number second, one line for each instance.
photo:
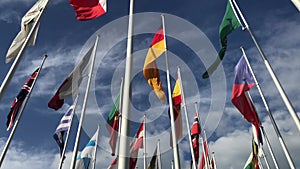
column 28, row 20
column 64, row 126
column 135, row 145
column 204, row 155
column 88, row 9
column 150, row 71
column 18, row 101
column 86, row 157
column 195, row 132
column 114, row 164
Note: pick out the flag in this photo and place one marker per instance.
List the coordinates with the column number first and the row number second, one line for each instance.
column 252, row 162
column 64, row 126
column 88, row 9
column 229, row 23
column 154, row 161
column 18, row 101
column 297, row 4
column 28, row 20
column 71, row 84
column 177, row 100
column 195, row 132
column 257, row 137
column 150, row 71
column 204, row 155
column 114, row 164
column 243, row 81
column 113, row 125
column 85, row 157
column 136, row 143
column 213, row 165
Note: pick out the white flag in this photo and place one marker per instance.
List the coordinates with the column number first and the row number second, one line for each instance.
column 27, row 23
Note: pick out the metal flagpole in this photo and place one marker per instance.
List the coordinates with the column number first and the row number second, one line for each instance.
column 144, row 141
column 187, row 119
column 207, row 162
column 172, row 164
column 158, row 155
column 120, row 116
column 173, row 129
column 12, row 133
column 265, row 158
column 73, row 161
column 68, row 134
column 126, row 108
column 259, row 163
column 278, row 85
column 214, row 158
column 96, row 146
column 18, row 58
column 282, row 143
column 204, row 152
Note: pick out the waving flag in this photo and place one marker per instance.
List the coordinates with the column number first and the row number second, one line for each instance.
column 229, row 23
column 28, row 20
column 252, row 162
column 113, row 125
column 85, row 158
column 88, row 9
column 204, row 155
column 114, row 164
column 150, row 71
column 71, row 84
column 64, row 126
column 135, row 145
column 195, row 132
column 154, row 161
column 18, row 101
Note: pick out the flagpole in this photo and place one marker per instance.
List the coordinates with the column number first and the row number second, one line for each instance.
column 68, row 134
column 278, row 85
column 259, row 163
column 73, row 161
column 126, row 108
column 120, row 115
column 187, row 119
column 207, row 163
column 172, row 164
column 96, row 146
column 282, row 143
column 145, row 160
column 18, row 58
column 173, row 129
column 265, row 158
column 158, row 155
column 12, row 133
column 204, row 152
column 215, row 162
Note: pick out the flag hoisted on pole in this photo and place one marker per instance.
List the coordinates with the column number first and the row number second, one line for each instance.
column 194, row 158
column 173, row 129
column 278, row 85
column 126, row 100
column 136, row 144
column 32, row 80
column 93, row 56
column 282, row 143
column 27, row 36
column 195, row 132
column 87, row 10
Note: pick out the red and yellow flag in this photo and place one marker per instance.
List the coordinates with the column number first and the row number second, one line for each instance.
column 150, row 71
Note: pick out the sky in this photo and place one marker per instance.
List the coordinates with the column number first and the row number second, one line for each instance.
column 192, row 41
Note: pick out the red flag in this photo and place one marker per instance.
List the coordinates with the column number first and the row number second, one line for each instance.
column 88, row 9
column 195, row 132
column 114, row 164
column 136, row 143
column 202, row 162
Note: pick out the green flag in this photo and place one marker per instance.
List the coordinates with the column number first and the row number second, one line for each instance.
column 229, row 23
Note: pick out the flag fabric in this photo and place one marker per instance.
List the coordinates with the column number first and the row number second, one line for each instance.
column 113, row 125
column 135, row 145
column 28, row 20
column 64, row 126
column 213, row 164
column 257, row 137
column 86, row 157
column 150, row 71
column 204, row 155
column 177, row 100
column 243, row 82
column 88, row 9
column 71, row 84
column 252, row 162
column 154, row 161
column 229, row 23
column 195, row 132
column 18, row 101
column 114, row 164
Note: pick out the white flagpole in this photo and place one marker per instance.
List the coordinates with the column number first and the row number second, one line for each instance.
column 204, row 152
column 18, row 58
column 172, row 164
column 282, row 143
column 265, row 158
column 126, row 108
column 12, row 133
column 144, row 142
column 214, row 158
column 158, row 155
column 187, row 119
column 259, row 163
column 68, row 134
column 278, row 85
column 120, row 116
column 73, row 161
column 173, row 129
column 96, row 146
column 207, row 162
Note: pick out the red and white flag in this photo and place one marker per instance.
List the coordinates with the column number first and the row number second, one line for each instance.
column 88, row 9
column 135, row 145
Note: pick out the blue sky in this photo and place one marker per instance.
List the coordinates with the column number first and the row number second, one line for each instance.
column 276, row 26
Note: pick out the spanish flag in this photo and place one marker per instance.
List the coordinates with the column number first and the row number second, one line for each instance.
column 150, row 71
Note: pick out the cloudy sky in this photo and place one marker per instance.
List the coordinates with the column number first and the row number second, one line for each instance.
column 192, row 40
